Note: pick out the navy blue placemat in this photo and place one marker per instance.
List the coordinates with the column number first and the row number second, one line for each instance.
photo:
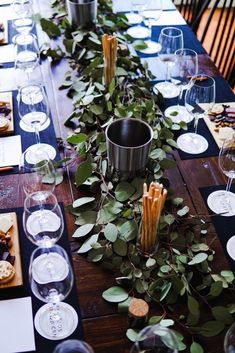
column 26, row 247
column 11, row 33
column 28, row 138
column 190, row 39
column 224, row 226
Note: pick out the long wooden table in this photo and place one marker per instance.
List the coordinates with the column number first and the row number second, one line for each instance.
column 104, row 328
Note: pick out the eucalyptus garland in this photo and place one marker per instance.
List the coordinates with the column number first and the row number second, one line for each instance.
column 108, row 218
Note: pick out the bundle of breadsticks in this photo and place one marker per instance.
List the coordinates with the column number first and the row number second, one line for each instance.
column 110, row 57
column 153, row 203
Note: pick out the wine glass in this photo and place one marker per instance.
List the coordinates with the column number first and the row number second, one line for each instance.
column 33, row 110
column 170, row 39
column 155, row 338
column 51, row 280
column 23, row 23
column 37, row 172
column 138, row 32
column 42, row 219
column 229, row 340
column 186, row 66
column 151, row 15
column 26, row 54
column 74, row 346
column 199, row 100
column 223, row 201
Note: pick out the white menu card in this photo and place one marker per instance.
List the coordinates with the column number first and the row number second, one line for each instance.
column 16, row 325
column 10, row 150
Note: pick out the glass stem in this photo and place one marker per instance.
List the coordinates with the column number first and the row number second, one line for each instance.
column 229, row 183
column 167, row 70
column 180, row 97
column 37, row 134
column 196, row 123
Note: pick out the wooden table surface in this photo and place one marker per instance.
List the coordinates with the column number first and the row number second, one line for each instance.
column 104, row 328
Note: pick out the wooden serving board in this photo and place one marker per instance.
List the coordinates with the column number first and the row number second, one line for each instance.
column 4, row 34
column 17, row 280
column 7, row 97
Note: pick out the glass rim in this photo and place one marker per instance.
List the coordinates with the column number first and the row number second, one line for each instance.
column 172, row 28
column 203, row 75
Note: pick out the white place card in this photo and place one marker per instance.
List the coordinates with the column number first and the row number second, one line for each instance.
column 16, row 326
column 7, row 53
column 10, row 150
column 5, row 2
column 168, row 18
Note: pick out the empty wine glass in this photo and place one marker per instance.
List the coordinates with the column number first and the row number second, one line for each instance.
column 229, row 340
column 139, row 32
column 155, row 338
column 186, row 66
column 170, row 39
column 37, row 173
column 33, row 110
column 42, row 219
column 199, row 100
column 23, row 23
column 51, row 280
column 73, row 346
column 26, row 55
column 223, row 201
column 151, row 15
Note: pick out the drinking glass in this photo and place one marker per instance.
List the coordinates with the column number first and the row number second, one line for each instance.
column 229, row 340
column 150, row 15
column 42, row 219
column 139, row 32
column 155, row 338
column 34, row 112
column 186, row 66
column 223, row 201
column 51, row 280
column 73, row 346
column 23, row 23
column 170, row 39
column 26, row 54
column 199, row 100
column 37, row 173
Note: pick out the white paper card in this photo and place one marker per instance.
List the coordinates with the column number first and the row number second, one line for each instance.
column 5, row 2
column 126, row 5
column 7, row 53
column 16, row 325
column 168, row 18
column 10, row 150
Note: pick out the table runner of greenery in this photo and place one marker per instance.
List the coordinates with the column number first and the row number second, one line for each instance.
column 182, row 269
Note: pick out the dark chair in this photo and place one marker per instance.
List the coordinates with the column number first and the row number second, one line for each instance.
column 219, row 31
column 192, row 10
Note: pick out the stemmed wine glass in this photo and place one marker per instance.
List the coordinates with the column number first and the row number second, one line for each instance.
column 33, row 110
column 26, row 56
column 37, row 173
column 23, row 23
column 51, row 280
column 223, row 201
column 155, row 338
column 138, row 32
column 199, row 100
column 186, row 66
column 170, row 39
column 150, row 15
column 229, row 340
column 42, row 219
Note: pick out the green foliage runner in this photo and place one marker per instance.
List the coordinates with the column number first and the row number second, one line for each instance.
column 180, row 272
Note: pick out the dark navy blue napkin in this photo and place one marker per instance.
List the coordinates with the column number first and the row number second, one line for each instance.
column 26, row 247
column 224, row 226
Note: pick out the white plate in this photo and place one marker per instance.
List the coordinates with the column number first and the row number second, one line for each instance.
column 167, row 89
column 133, row 18
column 183, row 114
column 65, row 309
column 217, row 202
column 28, row 128
column 138, row 32
column 187, row 143
column 153, row 47
column 231, row 247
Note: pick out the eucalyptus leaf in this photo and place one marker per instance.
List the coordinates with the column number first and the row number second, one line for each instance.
column 221, row 313
column 115, row 294
column 83, row 172
column 132, row 334
column 124, row 191
column 111, row 232
column 120, row 247
column 87, row 245
column 82, row 201
column 83, row 230
column 196, row 348
column 197, row 259
column 211, row 328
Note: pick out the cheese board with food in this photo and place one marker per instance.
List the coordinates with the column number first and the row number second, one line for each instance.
column 6, row 114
